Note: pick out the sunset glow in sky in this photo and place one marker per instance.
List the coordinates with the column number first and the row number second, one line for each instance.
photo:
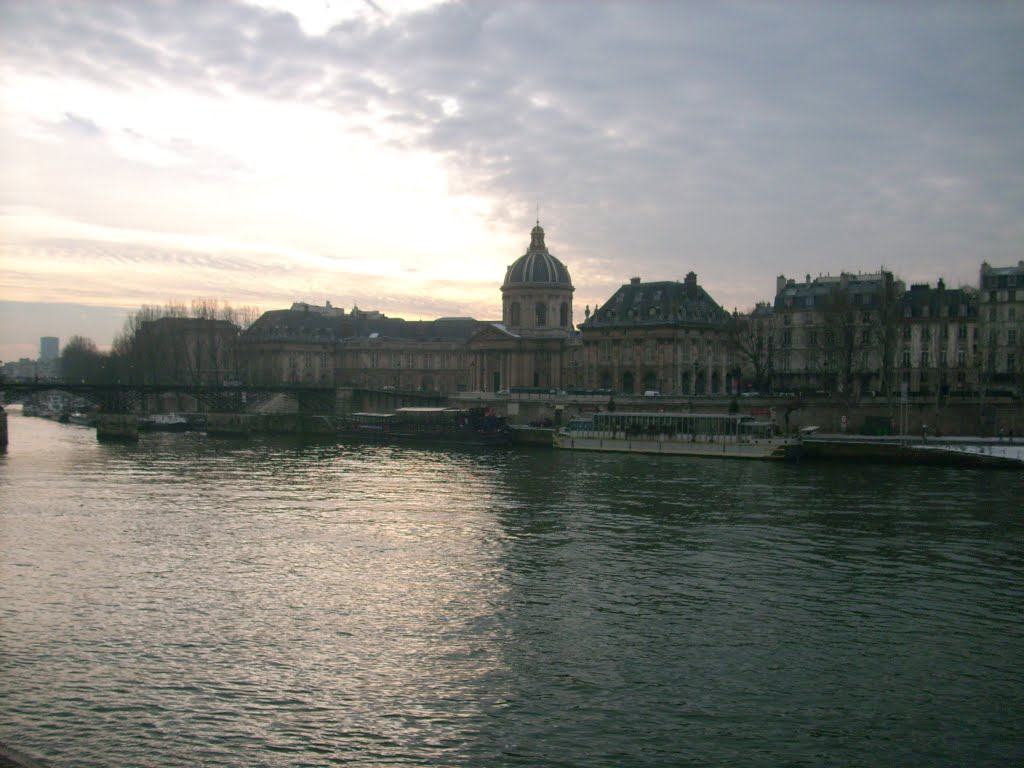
column 394, row 154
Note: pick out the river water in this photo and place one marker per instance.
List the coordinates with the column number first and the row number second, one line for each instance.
column 192, row 601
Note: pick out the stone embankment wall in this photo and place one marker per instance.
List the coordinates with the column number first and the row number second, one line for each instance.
column 974, row 417
column 243, row 424
column 985, row 419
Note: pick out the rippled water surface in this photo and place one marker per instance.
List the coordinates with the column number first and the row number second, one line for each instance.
column 191, row 601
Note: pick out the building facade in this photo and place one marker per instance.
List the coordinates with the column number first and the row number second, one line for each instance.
column 294, row 346
column 938, row 340
column 1001, row 326
column 396, row 354
column 665, row 337
column 49, row 348
column 837, row 334
column 530, row 346
column 184, row 350
column 850, row 335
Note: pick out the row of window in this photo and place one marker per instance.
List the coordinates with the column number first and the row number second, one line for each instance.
column 540, row 315
column 1010, row 359
column 411, row 360
column 697, row 384
column 647, row 350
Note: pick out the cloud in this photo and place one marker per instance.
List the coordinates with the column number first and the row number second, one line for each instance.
column 738, row 140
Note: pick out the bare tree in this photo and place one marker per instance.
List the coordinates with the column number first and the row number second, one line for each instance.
column 888, row 334
column 81, row 361
column 175, row 344
column 839, row 344
column 753, row 339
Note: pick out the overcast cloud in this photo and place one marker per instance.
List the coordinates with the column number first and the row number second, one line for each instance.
column 396, row 159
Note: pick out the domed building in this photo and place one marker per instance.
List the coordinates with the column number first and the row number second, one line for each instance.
column 536, row 296
column 529, row 347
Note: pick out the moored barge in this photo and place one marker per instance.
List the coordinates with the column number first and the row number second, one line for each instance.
column 469, row 426
column 714, row 435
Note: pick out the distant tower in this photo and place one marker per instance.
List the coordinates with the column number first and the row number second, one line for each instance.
column 49, row 348
column 536, row 297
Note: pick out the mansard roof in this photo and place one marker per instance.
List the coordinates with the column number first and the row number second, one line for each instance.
column 808, row 294
column 1002, row 277
column 306, row 325
column 659, row 303
column 455, row 329
column 298, row 325
column 923, row 301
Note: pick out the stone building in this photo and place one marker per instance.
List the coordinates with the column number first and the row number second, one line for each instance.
column 325, row 346
column 666, row 337
column 392, row 353
column 850, row 334
column 837, row 334
column 531, row 345
column 294, row 346
column 938, row 340
column 1001, row 325
column 184, row 350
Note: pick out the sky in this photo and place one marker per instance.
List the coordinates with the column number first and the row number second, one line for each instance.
column 395, row 155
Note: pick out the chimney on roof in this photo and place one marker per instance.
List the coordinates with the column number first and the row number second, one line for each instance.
column 780, row 283
column 691, row 279
column 634, row 281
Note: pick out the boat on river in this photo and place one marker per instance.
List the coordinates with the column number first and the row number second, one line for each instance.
column 461, row 426
column 164, row 422
column 712, row 435
column 960, row 451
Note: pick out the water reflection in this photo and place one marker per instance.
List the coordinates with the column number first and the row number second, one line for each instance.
column 283, row 602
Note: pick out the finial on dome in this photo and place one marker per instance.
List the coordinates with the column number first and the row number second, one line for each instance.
column 537, row 239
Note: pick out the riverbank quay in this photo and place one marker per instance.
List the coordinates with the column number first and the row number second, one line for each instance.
column 996, row 453
column 949, row 415
column 13, row 758
column 531, row 436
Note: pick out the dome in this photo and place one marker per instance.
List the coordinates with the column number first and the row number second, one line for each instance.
column 537, row 267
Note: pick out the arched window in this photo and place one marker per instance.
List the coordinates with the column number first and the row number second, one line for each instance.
column 514, row 314
column 627, row 383
column 542, row 314
column 563, row 315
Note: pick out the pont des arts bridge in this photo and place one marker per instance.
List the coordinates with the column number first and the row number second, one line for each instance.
column 227, row 409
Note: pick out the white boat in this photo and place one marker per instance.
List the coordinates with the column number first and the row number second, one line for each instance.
column 714, row 435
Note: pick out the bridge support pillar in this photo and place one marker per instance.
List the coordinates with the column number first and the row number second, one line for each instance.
column 3, row 429
column 117, row 426
column 230, row 424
